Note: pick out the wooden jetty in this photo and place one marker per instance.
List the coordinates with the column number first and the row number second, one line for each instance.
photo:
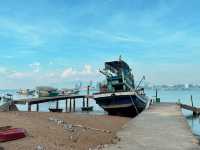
column 69, row 100
column 195, row 110
column 161, row 127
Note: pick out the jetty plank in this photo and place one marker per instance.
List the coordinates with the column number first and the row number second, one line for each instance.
column 48, row 99
column 162, row 126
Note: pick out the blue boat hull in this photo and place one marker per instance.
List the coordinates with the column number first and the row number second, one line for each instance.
column 122, row 105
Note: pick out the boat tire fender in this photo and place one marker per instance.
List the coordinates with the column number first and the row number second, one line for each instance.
column 113, row 94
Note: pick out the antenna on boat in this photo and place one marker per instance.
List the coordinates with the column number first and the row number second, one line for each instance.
column 120, row 57
column 143, row 78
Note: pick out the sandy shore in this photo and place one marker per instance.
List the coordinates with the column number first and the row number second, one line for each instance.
column 47, row 131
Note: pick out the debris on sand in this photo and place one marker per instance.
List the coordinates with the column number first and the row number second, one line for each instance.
column 71, row 127
column 40, row 147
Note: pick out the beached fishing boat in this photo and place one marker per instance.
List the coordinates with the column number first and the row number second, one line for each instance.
column 45, row 91
column 119, row 96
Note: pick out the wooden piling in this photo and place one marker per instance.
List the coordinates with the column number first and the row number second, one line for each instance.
column 88, row 92
column 70, row 105
column 74, row 105
column 37, row 107
column 57, row 104
column 29, row 107
column 156, row 94
column 191, row 99
column 66, row 105
column 83, row 102
column 87, row 102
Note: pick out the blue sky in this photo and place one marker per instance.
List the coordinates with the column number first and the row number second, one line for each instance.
column 48, row 42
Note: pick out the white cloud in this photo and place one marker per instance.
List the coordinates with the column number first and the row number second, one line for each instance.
column 86, row 72
column 35, row 66
column 3, row 70
column 19, row 75
column 7, row 56
column 68, row 73
column 113, row 37
column 51, row 63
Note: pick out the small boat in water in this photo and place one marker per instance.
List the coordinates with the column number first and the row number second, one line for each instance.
column 26, row 92
column 119, row 96
column 69, row 91
column 55, row 110
column 46, row 91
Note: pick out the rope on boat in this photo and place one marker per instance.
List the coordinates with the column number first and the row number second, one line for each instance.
column 134, row 105
column 131, row 97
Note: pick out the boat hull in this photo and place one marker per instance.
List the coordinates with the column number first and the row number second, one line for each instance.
column 122, row 104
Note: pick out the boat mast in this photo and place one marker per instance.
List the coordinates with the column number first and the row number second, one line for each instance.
column 122, row 73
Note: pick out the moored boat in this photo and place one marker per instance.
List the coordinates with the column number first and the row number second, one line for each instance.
column 119, row 96
column 66, row 91
column 26, row 92
column 45, row 91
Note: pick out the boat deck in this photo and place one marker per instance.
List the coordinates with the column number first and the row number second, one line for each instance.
column 161, row 127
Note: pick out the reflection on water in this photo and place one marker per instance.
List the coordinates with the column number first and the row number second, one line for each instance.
column 194, row 122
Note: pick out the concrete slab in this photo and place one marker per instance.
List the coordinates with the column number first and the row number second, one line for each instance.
column 162, row 127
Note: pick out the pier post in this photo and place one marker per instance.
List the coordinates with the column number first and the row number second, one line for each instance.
column 87, row 102
column 66, row 105
column 70, row 105
column 74, row 104
column 29, row 107
column 191, row 100
column 83, row 102
column 156, row 94
column 88, row 92
column 37, row 107
column 57, row 104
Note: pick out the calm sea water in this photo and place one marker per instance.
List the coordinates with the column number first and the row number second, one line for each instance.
column 165, row 96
